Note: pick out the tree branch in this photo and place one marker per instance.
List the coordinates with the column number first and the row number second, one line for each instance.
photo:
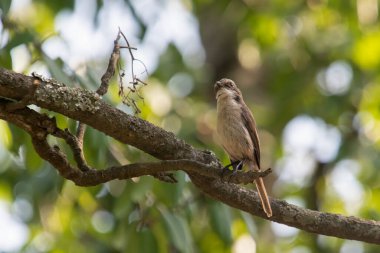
column 87, row 107
column 39, row 126
column 76, row 142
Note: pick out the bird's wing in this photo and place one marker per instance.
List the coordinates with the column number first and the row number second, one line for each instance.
column 250, row 125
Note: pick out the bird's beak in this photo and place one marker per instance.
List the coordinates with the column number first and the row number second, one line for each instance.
column 217, row 86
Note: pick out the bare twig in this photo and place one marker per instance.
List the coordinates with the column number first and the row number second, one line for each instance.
column 127, row 99
column 76, row 147
column 103, row 88
column 80, row 133
column 111, row 69
column 132, row 48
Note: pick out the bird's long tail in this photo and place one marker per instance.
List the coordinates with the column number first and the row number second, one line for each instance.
column 263, row 196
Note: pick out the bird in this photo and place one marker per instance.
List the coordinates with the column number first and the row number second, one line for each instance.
column 237, row 133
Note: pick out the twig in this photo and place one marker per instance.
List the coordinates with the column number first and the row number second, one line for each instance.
column 80, row 133
column 111, row 69
column 103, row 88
column 127, row 99
column 76, row 147
column 132, row 48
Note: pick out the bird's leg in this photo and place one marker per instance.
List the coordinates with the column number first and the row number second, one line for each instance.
column 236, row 165
column 239, row 166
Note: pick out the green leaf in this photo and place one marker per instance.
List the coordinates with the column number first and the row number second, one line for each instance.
column 143, row 241
column 137, row 191
column 221, row 220
column 56, row 69
column 5, row 134
column 18, row 139
column 5, row 59
column 4, row 6
column 19, row 38
column 32, row 160
column 170, row 194
column 57, row 6
column 249, row 223
column 134, row 216
column 148, row 242
column 178, row 230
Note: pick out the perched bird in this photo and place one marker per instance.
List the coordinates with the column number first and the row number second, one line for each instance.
column 236, row 129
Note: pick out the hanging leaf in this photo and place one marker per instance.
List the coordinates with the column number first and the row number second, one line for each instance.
column 178, row 230
column 221, row 220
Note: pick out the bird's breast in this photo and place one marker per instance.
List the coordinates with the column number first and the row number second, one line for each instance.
column 232, row 133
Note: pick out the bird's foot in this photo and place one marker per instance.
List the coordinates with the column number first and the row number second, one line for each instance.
column 236, row 165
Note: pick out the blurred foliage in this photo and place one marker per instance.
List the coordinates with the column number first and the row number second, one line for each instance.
column 314, row 60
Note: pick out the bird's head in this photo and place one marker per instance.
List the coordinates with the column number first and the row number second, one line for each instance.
column 226, row 87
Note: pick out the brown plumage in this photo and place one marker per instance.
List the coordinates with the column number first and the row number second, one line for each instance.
column 237, row 132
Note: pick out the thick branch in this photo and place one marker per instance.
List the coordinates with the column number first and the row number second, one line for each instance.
column 40, row 126
column 312, row 221
column 86, row 107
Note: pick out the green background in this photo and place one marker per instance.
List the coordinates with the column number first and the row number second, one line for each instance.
column 309, row 70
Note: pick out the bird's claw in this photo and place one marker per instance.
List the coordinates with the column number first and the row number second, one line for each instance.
column 236, row 165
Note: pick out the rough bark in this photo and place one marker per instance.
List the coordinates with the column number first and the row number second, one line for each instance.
column 88, row 108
